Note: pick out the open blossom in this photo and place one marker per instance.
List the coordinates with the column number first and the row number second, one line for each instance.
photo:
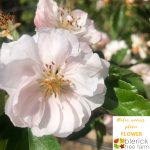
column 53, row 82
column 144, row 71
column 49, row 14
column 139, row 45
column 103, row 41
column 113, row 47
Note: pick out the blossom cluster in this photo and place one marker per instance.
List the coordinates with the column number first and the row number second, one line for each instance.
column 53, row 78
column 134, row 56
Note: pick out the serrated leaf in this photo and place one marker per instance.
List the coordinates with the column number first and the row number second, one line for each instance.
column 138, row 83
column 122, row 99
column 131, row 104
column 119, row 73
column 127, row 86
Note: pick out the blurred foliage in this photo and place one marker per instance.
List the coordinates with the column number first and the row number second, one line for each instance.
column 116, row 18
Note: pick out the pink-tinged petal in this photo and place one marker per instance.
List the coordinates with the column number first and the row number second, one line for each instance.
column 76, row 113
column 9, row 112
column 85, row 76
column 51, row 119
column 24, row 48
column 12, row 73
column 99, row 96
column 87, row 113
column 46, row 14
column 76, row 106
column 96, row 101
column 68, row 120
column 85, row 47
column 92, row 36
column 82, row 83
column 81, row 16
column 30, row 103
column 58, row 45
column 93, row 65
column 105, row 68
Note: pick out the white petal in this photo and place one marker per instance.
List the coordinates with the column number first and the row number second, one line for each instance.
column 99, row 96
column 96, row 101
column 12, row 73
column 76, row 113
column 9, row 112
column 87, row 113
column 93, row 65
column 46, row 14
column 24, row 48
column 85, row 47
column 68, row 121
column 82, row 83
column 76, row 106
column 85, row 77
column 104, row 69
column 57, row 46
column 92, row 36
column 81, row 15
column 51, row 119
column 30, row 103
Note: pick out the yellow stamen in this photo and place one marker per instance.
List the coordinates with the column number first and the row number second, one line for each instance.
column 52, row 82
column 67, row 20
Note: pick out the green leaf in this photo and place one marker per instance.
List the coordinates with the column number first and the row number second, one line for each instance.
column 123, row 99
column 131, row 104
column 43, row 143
column 119, row 56
column 119, row 73
column 12, row 138
column 127, row 86
column 138, row 83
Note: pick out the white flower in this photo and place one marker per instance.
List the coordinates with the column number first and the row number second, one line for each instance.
column 144, row 71
column 53, row 86
column 113, row 47
column 139, row 45
column 103, row 41
column 48, row 14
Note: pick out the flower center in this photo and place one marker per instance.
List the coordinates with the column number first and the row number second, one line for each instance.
column 52, row 82
column 67, row 20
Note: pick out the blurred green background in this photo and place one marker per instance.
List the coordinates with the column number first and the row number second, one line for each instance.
column 117, row 18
